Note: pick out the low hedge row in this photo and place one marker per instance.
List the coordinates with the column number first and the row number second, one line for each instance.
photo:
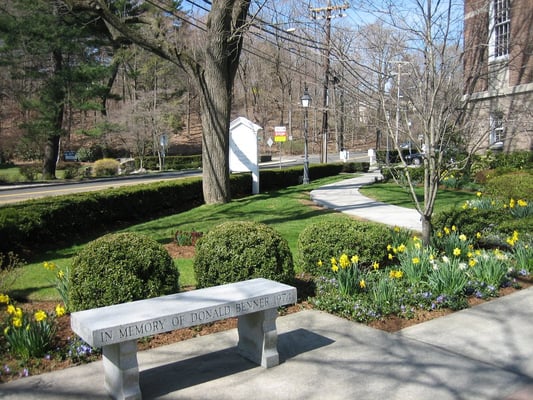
column 46, row 222
column 63, row 220
column 171, row 162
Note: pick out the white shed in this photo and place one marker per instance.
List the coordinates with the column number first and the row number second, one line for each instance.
column 243, row 154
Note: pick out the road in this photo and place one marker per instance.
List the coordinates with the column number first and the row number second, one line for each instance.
column 17, row 193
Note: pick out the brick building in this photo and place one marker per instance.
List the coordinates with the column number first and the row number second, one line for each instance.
column 498, row 68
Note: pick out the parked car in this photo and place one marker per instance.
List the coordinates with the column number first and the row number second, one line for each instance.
column 70, row 156
column 406, row 146
column 414, row 158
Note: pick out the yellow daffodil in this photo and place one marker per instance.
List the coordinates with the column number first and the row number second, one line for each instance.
column 362, row 284
column 11, row 309
column 60, row 310
column 396, row 229
column 334, row 268
column 462, row 237
column 479, row 194
column 319, row 263
column 454, row 228
column 395, row 274
column 389, row 247
column 4, row 298
column 390, row 256
column 415, row 260
column 375, row 265
column 512, row 203
column 17, row 322
column 472, row 262
column 344, row 261
column 60, row 274
column 457, row 252
column 401, row 248
column 355, row 259
column 333, row 261
column 49, row 265
column 418, row 245
column 478, row 235
column 40, row 316
column 522, row 203
column 447, row 230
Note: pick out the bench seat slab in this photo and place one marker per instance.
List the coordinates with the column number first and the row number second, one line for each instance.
column 115, row 328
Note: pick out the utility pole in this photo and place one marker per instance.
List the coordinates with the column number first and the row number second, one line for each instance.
column 326, row 12
column 398, row 97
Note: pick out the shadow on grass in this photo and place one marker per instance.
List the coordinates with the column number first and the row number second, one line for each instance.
column 23, row 295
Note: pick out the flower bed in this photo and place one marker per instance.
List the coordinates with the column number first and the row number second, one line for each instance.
column 444, row 275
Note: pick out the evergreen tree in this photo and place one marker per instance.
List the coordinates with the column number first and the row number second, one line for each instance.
column 56, row 55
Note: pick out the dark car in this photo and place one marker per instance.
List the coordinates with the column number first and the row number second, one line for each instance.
column 414, row 158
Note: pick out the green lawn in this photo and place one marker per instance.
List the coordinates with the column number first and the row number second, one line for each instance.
column 288, row 211
column 394, row 194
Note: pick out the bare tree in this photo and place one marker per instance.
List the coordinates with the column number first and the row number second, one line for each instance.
column 424, row 97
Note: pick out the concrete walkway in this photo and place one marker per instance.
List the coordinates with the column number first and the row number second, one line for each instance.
column 344, row 196
column 485, row 352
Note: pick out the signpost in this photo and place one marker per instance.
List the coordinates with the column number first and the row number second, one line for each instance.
column 280, row 136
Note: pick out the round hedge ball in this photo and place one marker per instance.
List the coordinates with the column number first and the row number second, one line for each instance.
column 240, row 250
column 118, row 268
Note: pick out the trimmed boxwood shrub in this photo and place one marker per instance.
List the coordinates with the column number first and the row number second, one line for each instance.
column 486, row 221
column 239, row 250
column 106, row 167
column 118, row 268
column 326, row 239
column 516, row 185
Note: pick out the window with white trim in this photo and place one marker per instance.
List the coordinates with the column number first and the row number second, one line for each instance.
column 497, row 129
column 500, row 28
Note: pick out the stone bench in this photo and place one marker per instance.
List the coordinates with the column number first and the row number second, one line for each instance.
column 116, row 328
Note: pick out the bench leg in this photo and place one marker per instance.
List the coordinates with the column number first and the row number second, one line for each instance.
column 258, row 338
column 121, row 371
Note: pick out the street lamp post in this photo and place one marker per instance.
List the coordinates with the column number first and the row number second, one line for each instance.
column 306, row 102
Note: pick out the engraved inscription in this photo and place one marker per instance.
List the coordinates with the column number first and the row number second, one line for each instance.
column 210, row 314
column 196, row 317
column 147, row 328
column 251, row 305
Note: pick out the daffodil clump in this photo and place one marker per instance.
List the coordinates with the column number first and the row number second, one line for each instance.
column 452, row 242
column 60, row 281
column 518, row 208
column 350, row 278
column 444, row 274
column 28, row 334
column 522, row 253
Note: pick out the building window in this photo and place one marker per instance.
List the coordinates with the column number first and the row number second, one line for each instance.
column 500, row 28
column 497, row 129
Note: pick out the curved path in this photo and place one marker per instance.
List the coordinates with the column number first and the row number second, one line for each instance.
column 344, row 196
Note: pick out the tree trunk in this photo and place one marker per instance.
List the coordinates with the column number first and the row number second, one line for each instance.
column 427, row 229
column 215, row 104
column 51, row 150
column 215, row 78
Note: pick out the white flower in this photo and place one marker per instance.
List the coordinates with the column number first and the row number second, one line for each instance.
column 462, row 266
column 445, row 259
